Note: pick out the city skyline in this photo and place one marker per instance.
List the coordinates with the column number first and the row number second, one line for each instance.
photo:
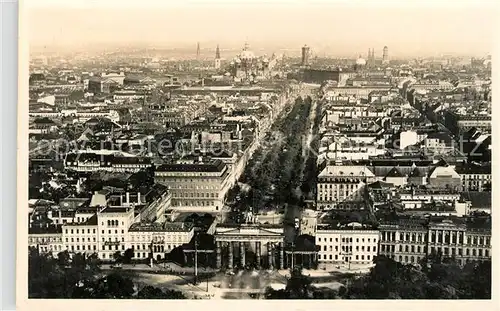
column 361, row 28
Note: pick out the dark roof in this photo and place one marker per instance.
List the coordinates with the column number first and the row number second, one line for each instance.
column 43, row 121
column 110, row 209
column 478, row 199
column 394, row 172
column 380, row 185
column 416, row 173
column 155, row 192
column 472, row 168
column 212, row 166
column 51, row 229
column 112, row 159
column 441, row 162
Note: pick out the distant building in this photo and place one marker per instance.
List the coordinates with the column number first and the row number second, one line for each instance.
column 250, row 67
column 99, row 85
column 475, row 177
column 305, row 55
column 217, row 61
column 385, row 55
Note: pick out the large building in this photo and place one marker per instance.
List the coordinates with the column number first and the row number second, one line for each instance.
column 352, row 244
column 105, row 227
column 385, row 55
column 248, row 66
column 306, row 52
column 217, row 61
column 337, row 184
column 410, row 240
column 197, row 185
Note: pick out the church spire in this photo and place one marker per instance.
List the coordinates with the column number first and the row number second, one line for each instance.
column 217, row 52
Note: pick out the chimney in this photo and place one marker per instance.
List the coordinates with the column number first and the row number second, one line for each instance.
column 127, row 198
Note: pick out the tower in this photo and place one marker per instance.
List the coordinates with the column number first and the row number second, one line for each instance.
column 305, row 55
column 217, row 58
column 198, row 50
column 385, row 55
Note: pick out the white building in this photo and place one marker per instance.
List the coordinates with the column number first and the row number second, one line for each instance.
column 407, row 138
column 351, row 245
column 337, row 183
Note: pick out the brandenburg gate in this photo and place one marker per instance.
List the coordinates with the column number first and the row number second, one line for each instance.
column 258, row 244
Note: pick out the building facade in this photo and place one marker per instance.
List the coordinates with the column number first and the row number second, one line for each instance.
column 355, row 245
column 337, row 184
column 196, row 186
column 409, row 241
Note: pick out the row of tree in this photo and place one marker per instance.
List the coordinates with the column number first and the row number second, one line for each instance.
column 79, row 276
column 274, row 173
column 433, row 278
column 311, row 168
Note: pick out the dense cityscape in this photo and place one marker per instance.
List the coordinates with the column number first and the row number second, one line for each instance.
column 219, row 174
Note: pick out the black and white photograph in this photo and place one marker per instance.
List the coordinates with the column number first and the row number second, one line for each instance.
column 257, row 150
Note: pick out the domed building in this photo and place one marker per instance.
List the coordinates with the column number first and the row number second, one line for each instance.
column 248, row 66
column 360, row 64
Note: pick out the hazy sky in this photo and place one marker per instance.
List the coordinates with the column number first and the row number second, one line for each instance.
column 333, row 28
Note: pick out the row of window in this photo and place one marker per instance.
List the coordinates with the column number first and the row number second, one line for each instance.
column 413, row 237
column 192, row 203
column 446, row 237
column 50, row 247
column 78, row 239
column 83, row 248
column 479, row 177
column 459, row 251
column 44, row 240
column 194, row 195
column 347, row 240
column 340, row 186
column 446, row 250
column 72, row 240
column 110, row 231
column 113, row 223
column 79, row 231
column 406, row 248
column 336, row 257
column 190, row 186
column 337, row 196
column 349, row 248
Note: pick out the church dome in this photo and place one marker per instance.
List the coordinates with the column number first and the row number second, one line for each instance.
column 360, row 61
column 247, row 55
